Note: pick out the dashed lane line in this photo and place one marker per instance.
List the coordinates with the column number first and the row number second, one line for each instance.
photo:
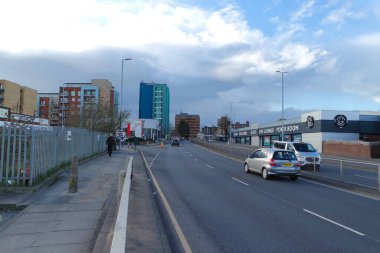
column 240, row 181
column 333, row 222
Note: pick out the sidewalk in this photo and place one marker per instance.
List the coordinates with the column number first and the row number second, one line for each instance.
column 58, row 221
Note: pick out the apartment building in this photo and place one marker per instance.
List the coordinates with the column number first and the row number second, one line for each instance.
column 48, row 106
column 19, row 99
column 154, row 103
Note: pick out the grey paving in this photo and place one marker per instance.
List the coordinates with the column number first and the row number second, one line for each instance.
column 59, row 221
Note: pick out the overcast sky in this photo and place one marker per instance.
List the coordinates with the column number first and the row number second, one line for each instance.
column 210, row 53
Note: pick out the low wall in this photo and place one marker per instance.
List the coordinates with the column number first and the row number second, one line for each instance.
column 352, row 148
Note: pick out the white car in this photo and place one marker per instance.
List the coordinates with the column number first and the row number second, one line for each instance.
column 306, row 154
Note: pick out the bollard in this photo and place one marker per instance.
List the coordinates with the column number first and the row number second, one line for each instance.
column 73, row 178
column 162, row 144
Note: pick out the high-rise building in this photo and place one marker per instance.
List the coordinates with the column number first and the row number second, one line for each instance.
column 19, row 99
column 192, row 120
column 154, row 103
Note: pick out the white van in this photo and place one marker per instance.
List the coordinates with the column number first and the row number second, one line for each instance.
column 306, row 154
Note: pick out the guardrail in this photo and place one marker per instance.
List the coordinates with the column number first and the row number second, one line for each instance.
column 120, row 233
column 355, row 172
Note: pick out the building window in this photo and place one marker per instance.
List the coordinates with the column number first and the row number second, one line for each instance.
column 79, row 93
column 73, row 99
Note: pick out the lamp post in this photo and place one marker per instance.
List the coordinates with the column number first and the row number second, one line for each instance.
column 282, row 102
column 121, row 93
column 229, row 128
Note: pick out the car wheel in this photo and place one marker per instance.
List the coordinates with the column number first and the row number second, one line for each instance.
column 246, row 168
column 294, row 177
column 265, row 174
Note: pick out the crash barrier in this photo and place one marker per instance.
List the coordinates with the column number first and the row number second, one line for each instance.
column 30, row 153
column 355, row 172
column 120, row 233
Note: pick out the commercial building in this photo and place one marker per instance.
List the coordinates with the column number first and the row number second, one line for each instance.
column 19, row 99
column 315, row 127
column 192, row 120
column 154, row 103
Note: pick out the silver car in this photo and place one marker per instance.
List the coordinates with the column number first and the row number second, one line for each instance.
column 270, row 161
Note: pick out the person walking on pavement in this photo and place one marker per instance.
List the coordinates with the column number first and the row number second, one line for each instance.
column 110, row 142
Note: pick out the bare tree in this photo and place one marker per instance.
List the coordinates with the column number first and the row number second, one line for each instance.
column 224, row 124
column 98, row 118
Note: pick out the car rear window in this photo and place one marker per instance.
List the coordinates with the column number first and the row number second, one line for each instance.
column 303, row 147
column 284, row 155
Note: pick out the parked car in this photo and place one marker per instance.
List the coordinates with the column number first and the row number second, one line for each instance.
column 271, row 161
column 175, row 142
column 306, row 154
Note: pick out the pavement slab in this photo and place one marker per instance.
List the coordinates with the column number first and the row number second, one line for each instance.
column 59, row 221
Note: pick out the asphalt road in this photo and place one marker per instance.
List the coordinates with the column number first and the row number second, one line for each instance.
column 221, row 209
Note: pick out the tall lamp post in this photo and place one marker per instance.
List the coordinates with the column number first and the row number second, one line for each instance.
column 282, row 103
column 230, row 125
column 121, row 93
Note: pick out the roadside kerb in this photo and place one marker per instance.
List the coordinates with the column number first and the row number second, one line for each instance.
column 120, row 233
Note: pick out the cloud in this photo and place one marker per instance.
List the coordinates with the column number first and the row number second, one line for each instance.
column 339, row 16
column 372, row 39
column 306, row 10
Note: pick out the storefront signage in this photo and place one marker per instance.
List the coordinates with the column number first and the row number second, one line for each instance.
column 254, row 132
column 243, row 133
column 272, row 130
column 340, row 121
column 310, row 121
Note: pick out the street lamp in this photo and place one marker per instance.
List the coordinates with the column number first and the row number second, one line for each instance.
column 121, row 94
column 229, row 128
column 282, row 106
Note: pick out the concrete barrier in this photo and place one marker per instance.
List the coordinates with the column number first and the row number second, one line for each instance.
column 120, row 233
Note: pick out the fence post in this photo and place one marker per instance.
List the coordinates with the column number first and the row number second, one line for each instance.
column 341, row 170
column 73, row 179
column 314, row 164
column 32, row 153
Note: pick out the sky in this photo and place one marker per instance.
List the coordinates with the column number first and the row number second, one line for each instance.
column 217, row 57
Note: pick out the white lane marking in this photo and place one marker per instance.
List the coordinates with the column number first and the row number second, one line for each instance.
column 177, row 228
column 333, row 222
column 342, row 190
column 196, row 159
column 365, row 177
column 240, row 181
column 209, row 166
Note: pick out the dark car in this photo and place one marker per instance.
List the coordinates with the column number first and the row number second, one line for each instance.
column 175, row 143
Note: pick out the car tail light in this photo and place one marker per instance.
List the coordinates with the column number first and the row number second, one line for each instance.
column 272, row 162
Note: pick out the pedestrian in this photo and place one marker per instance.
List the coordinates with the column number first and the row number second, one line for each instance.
column 110, row 142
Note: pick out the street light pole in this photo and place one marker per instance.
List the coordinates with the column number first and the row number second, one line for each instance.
column 229, row 128
column 121, row 94
column 282, row 102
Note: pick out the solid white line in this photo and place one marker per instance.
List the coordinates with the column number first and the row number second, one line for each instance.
column 209, row 166
column 365, row 177
column 177, row 228
column 240, row 181
column 333, row 222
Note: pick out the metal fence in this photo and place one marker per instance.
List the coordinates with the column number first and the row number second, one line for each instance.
column 28, row 153
column 362, row 173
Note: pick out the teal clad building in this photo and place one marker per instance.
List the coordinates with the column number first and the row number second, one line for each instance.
column 154, row 103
